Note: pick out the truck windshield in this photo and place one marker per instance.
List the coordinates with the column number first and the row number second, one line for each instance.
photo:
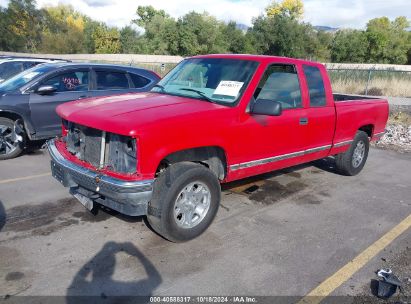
column 217, row 80
column 16, row 82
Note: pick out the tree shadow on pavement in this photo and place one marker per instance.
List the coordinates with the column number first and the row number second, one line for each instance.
column 2, row 216
column 94, row 282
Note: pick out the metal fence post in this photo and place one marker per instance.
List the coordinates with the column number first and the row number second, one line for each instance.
column 368, row 81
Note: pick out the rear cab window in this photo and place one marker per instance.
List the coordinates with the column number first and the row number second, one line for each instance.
column 315, row 85
column 280, row 83
column 112, row 80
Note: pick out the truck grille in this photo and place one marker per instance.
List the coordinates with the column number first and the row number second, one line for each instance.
column 85, row 143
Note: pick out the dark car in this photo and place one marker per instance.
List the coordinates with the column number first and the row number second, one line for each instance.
column 10, row 66
column 28, row 100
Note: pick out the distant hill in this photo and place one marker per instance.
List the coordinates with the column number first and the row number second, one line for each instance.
column 242, row 27
column 326, row 28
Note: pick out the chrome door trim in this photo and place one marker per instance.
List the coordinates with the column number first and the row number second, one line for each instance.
column 342, row 143
column 272, row 159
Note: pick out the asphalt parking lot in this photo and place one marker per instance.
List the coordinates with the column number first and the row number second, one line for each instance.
column 285, row 238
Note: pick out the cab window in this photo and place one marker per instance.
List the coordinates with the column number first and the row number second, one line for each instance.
column 280, row 83
column 315, row 86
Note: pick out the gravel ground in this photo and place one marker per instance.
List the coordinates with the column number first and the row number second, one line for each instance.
column 397, row 137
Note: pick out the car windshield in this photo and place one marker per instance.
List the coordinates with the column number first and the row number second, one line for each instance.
column 217, row 80
column 16, row 82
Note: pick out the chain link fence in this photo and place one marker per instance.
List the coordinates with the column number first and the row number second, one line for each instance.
column 160, row 68
column 374, row 81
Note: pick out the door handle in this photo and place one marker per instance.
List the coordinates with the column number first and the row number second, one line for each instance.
column 303, row 121
column 82, row 96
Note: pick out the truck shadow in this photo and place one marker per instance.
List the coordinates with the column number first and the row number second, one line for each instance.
column 94, row 282
column 2, row 216
column 101, row 213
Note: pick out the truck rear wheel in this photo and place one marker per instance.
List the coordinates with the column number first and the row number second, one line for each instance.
column 11, row 144
column 353, row 160
column 185, row 201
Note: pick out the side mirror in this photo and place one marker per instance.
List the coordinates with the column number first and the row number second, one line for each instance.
column 267, row 107
column 45, row 90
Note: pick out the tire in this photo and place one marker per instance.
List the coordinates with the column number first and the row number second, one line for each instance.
column 348, row 163
column 167, row 206
column 19, row 146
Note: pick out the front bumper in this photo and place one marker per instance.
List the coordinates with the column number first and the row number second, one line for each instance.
column 127, row 197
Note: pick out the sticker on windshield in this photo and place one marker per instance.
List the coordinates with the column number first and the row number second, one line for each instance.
column 228, row 88
column 30, row 75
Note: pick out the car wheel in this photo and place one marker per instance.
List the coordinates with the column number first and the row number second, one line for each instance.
column 11, row 144
column 353, row 160
column 185, row 201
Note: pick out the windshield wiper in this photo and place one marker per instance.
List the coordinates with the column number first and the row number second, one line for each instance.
column 202, row 94
column 159, row 86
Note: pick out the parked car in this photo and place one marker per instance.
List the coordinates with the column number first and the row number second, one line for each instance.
column 10, row 66
column 212, row 119
column 29, row 99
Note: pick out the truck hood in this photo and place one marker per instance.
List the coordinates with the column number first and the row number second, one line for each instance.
column 127, row 114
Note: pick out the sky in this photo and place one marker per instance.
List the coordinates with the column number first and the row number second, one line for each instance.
column 334, row 13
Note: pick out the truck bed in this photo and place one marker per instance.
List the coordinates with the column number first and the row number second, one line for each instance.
column 355, row 113
column 345, row 97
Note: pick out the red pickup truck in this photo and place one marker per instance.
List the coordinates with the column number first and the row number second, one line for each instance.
column 212, row 119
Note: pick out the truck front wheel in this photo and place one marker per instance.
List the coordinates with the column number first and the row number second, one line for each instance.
column 185, row 201
column 353, row 160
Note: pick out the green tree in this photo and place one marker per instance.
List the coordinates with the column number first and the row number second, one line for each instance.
column 387, row 40
column 22, row 25
column 284, row 36
column 145, row 14
column 160, row 31
column 90, row 26
column 131, row 41
column 200, row 34
column 6, row 37
column 349, row 46
column 288, row 8
column 238, row 42
column 281, row 33
column 323, row 51
column 64, row 32
column 106, row 40
column 162, row 36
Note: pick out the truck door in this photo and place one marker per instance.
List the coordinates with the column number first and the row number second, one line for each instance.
column 320, row 119
column 273, row 142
